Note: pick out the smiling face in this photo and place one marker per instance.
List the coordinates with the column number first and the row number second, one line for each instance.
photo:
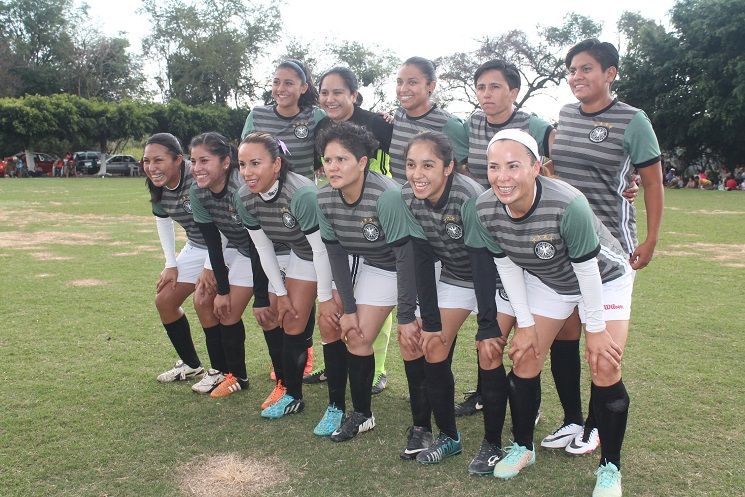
column 413, row 90
column 589, row 83
column 426, row 172
column 257, row 168
column 336, row 99
column 208, row 169
column 495, row 97
column 287, row 87
column 161, row 166
column 344, row 171
column 512, row 174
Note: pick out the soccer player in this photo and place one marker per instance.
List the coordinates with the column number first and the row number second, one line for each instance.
column 599, row 144
column 351, row 225
column 279, row 206
column 553, row 254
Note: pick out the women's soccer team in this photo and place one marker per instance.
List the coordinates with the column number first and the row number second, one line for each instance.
column 530, row 227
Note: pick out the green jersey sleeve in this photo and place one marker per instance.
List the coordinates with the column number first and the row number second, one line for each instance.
column 304, row 206
column 640, row 141
column 158, row 210
column 475, row 234
column 396, row 218
column 199, row 212
column 539, row 129
column 248, row 126
column 578, row 230
column 318, row 114
column 458, row 135
column 247, row 219
column 327, row 231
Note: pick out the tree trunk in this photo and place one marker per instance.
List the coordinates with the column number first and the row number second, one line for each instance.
column 30, row 162
column 102, row 165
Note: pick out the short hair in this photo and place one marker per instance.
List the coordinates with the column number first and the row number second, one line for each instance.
column 440, row 144
column 508, row 70
column 354, row 138
column 602, row 51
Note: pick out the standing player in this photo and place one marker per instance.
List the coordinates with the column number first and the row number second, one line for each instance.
column 340, row 99
column 599, row 144
column 279, row 206
column 231, row 270
column 415, row 84
column 549, row 245
column 351, row 224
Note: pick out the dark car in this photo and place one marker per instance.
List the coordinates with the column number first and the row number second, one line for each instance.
column 44, row 163
column 87, row 162
column 125, row 165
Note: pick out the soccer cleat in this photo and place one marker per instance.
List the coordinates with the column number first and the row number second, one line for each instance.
column 608, row 483
column 352, row 425
column 562, row 436
column 471, row 404
column 287, row 404
column 379, row 383
column 316, row 376
column 209, row 381
column 330, row 421
column 584, row 443
column 484, row 461
column 180, row 372
column 276, row 394
column 442, row 447
column 228, row 386
column 417, row 440
column 515, row 459
column 308, row 362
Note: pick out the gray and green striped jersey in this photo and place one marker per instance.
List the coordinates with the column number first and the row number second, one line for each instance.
column 442, row 226
column 356, row 227
column 480, row 132
column 298, row 133
column 597, row 154
column 287, row 217
column 405, row 128
column 219, row 208
column 176, row 204
column 559, row 229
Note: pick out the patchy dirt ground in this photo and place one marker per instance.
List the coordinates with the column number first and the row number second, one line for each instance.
column 728, row 255
column 229, row 475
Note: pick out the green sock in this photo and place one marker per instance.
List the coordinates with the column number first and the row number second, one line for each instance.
column 380, row 345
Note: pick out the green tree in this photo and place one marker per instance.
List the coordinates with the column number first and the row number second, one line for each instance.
column 690, row 80
column 540, row 62
column 208, row 49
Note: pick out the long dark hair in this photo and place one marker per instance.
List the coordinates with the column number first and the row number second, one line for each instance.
column 273, row 146
column 350, row 81
column 441, row 145
column 310, row 97
column 173, row 146
column 217, row 145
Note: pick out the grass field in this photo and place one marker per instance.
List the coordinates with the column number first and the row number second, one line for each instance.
column 82, row 415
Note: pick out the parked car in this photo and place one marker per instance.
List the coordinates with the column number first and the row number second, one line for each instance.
column 44, row 163
column 2, row 168
column 126, row 165
column 87, row 162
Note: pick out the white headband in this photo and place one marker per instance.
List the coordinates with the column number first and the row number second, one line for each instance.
column 517, row 136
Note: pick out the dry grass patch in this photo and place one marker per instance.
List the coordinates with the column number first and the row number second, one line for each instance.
column 229, row 475
column 48, row 256
column 21, row 219
column 706, row 212
column 87, row 282
column 728, row 255
column 27, row 241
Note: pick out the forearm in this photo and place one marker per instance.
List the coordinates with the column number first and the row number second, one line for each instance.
column 214, row 248
column 321, row 264
column 167, row 238
column 339, row 261
column 514, row 284
column 406, row 282
column 268, row 258
column 485, row 286
column 591, row 288
column 426, row 285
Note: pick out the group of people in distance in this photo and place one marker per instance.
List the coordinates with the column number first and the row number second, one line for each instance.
column 528, row 226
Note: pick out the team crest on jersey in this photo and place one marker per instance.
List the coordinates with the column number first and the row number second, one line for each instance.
column 544, row 250
column 598, row 134
column 234, row 215
column 301, row 130
column 288, row 220
column 503, row 294
column 454, row 230
column 370, row 229
column 186, row 203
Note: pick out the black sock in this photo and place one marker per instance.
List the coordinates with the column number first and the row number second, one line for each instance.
column 566, row 369
column 590, row 422
column 440, row 391
column 310, row 326
column 478, row 374
column 233, row 338
column 212, row 337
column 180, row 336
column 361, row 369
column 452, row 351
column 494, row 399
column 294, row 355
column 611, row 412
column 525, row 398
column 335, row 359
column 421, row 411
column 274, row 339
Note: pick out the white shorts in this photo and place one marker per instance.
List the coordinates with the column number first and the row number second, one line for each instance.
column 296, row 268
column 239, row 268
column 190, row 263
column 544, row 301
column 372, row 285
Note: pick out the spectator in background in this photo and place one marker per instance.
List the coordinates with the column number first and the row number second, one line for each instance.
column 730, row 183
